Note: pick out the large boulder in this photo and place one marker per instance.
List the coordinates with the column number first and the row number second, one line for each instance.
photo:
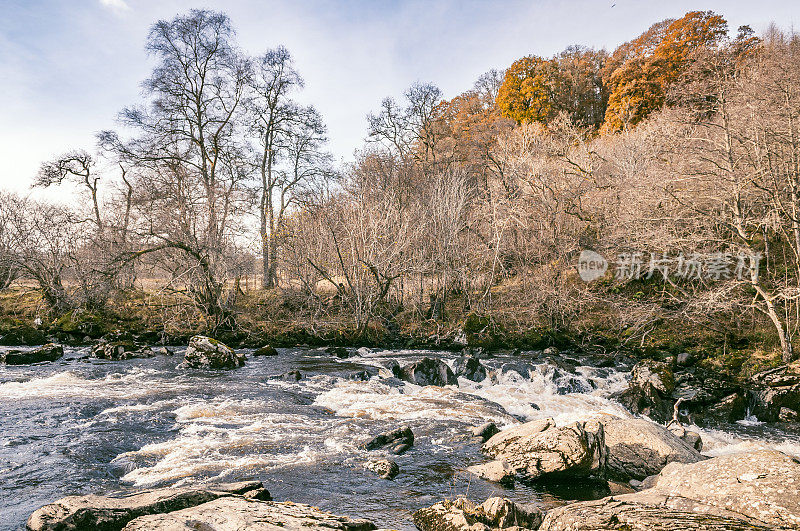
column 121, row 350
column 49, row 352
column 207, row 353
column 470, row 368
column 649, row 390
column 637, row 448
column 428, row 371
column 763, row 485
column 236, row 514
column 464, row 515
column 757, row 490
column 541, row 449
column 775, row 389
column 101, row 512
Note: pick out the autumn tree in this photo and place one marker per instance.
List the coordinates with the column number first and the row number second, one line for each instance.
column 537, row 90
column 640, row 72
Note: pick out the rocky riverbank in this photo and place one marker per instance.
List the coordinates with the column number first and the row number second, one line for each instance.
column 629, row 470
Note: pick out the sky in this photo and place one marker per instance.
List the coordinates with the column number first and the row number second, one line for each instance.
column 68, row 67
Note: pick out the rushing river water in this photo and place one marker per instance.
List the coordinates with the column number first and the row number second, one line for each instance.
column 82, row 425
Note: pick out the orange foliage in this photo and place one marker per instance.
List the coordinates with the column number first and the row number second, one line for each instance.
column 640, row 71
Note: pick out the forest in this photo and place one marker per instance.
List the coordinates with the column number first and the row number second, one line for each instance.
column 215, row 208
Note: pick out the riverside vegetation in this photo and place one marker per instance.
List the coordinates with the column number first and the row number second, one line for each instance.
column 219, row 221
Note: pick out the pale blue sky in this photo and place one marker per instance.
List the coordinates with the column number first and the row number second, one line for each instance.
column 68, row 67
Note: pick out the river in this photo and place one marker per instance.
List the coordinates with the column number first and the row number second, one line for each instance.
column 82, row 425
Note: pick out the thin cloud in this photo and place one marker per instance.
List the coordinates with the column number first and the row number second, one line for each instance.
column 116, row 5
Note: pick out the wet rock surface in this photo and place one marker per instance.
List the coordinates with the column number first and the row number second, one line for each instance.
column 121, row 350
column 49, row 352
column 775, row 389
column 398, row 440
column 266, row 350
column 207, row 353
column 428, row 371
column 470, row 368
column 385, row 468
column 649, row 390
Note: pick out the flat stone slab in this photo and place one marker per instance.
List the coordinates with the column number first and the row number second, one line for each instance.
column 237, row 514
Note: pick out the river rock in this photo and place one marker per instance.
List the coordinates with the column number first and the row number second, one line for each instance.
column 775, row 389
column 121, row 350
column 540, row 448
column 49, row 352
column 385, row 468
column 207, row 353
column 756, row 490
column 649, row 390
column 359, row 376
column 485, row 431
column 464, row 515
column 763, row 485
column 788, row 415
column 643, row 511
column 428, row 371
column 496, row 471
column 470, row 368
column 100, row 512
column 692, row 438
column 339, row 352
column 266, row 350
column 636, row 448
column 390, row 369
column 401, row 439
column 236, row 514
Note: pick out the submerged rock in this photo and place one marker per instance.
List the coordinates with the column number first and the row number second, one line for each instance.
column 755, row 490
column 207, row 353
column 291, row 376
column 121, row 350
column 428, row 371
column 385, row 468
column 464, row 515
column 101, row 512
column 236, row 514
column 49, row 352
column 266, row 350
column 470, row 368
column 540, row 448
